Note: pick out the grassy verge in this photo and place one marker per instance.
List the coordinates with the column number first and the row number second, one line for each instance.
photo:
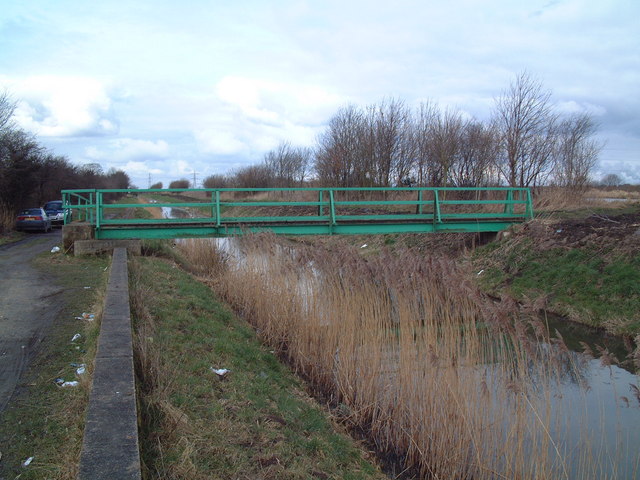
column 586, row 284
column 43, row 420
column 255, row 422
column 11, row 237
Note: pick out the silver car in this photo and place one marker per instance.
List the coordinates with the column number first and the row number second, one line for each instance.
column 33, row 219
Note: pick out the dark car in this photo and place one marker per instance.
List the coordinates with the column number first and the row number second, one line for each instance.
column 56, row 213
column 33, row 219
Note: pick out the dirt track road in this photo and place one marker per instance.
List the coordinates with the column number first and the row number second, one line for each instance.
column 29, row 301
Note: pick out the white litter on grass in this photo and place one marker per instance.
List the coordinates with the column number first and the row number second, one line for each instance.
column 221, row 372
column 55, row 249
column 364, row 246
column 81, row 370
column 75, row 337
column 87, row 288
column 480, row 272
column 72, row 383
column 27, row 462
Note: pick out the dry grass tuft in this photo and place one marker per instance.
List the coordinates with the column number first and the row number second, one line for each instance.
column 7, row 218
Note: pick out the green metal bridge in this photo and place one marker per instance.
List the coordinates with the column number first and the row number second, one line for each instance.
column 125, row 214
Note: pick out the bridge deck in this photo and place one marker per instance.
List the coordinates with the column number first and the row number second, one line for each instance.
column 331, row 211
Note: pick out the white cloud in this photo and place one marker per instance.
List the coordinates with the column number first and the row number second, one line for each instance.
column 62, row 106
column 249, row 116
column 125, row 149
column 276, row 103
column 571, row 107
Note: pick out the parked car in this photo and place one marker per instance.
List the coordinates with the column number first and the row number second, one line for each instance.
column 56, row 213
column 33, row 219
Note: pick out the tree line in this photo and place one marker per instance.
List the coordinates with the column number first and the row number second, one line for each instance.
column 30, row 175
column 525, row 143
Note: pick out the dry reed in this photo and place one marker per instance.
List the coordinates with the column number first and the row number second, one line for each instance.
column 411, row 352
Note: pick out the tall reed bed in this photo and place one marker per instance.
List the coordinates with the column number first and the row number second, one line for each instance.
column 455, row 385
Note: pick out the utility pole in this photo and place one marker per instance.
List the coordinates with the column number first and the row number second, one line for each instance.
column 149, row 186
column 194, row 179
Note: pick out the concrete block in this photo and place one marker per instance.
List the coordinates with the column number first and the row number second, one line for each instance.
column 76, row 231
column 93, row 247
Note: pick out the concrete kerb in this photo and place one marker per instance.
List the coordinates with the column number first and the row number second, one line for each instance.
column 110, row 448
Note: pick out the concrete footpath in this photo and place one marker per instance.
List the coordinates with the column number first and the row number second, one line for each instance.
column 110, row 448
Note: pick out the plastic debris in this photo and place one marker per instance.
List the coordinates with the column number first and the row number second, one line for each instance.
column 87, row 288
column 81, row 370
column 221, row 372
column 364, row 246
column 559, row 230
column 55, row 249
column 27, row 462
column 480, row 272
column 61, row 382
column 75, row 337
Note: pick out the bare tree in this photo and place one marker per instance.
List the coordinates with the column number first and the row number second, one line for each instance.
column 216, row 181
column 477, row 156
column 424, row 165
column 253, row 176
column 523, row 115
column 576, row 152
column 7, row 108
column 182, row 183
column 445, row 137
column 392, row 152
column 611, row 180
column 342, row 150
column 288, row 165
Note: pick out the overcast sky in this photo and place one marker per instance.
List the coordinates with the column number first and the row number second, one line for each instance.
column 171, row 88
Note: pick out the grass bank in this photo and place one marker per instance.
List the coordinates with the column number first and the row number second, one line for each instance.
column 44, row 420
column 256, row 421
column 585, row 268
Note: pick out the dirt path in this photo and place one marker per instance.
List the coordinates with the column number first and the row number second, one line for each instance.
column 29, row 301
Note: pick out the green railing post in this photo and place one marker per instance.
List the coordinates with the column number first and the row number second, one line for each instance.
column 332, row 206
column 508, row 206
column 218, row 219
column 436, row 208
column 98, row 209
column 213, row 205
column 320, row 209
column 419, row 206
column 529, row 207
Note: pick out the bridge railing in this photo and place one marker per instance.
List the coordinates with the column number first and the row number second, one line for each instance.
column 111, row 208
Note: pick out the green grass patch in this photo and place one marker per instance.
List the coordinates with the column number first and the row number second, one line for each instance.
column 580, row 283
column 43, row 420
column 11, row 237
column 255, row 422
